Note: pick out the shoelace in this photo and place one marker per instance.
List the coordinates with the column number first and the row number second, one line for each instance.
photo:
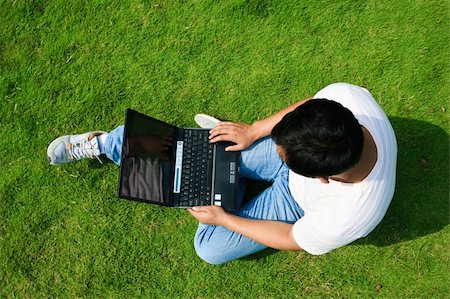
column 84, row 149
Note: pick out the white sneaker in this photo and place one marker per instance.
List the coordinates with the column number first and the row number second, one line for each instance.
column 71, row 148
column 206, row 121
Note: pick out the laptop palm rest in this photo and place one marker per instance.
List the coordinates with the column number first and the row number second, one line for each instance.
column 226, row 173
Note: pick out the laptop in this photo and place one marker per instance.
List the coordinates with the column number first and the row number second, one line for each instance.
column 175, row 167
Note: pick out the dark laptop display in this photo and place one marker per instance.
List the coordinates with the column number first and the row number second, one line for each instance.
column 176, row 167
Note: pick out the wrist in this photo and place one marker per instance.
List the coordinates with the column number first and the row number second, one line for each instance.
column 255, row 132
column 227, row 220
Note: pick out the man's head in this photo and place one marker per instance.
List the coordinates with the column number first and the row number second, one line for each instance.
column 320, row 138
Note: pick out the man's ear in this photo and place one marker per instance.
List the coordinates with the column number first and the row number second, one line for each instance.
column 323, row 179
column 281, row 153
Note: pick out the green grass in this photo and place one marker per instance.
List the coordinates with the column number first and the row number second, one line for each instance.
column 71, row 66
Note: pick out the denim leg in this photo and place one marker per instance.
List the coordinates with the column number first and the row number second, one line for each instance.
column 261, row 161
column 251, row 166
column 113, row 147
column 217, row 244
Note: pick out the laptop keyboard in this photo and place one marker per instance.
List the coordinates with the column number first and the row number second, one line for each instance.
column 196, row 169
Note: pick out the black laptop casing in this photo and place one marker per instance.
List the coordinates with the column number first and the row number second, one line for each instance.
column 225, row 172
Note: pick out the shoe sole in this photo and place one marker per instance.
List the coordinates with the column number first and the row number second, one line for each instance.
column 206, row 121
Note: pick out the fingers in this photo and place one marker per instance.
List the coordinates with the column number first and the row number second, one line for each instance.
column 223, row 129
column 234, row 148
column 192, row 212
column 195, row 214
column 227, row 126
column 198, row 209
column 199, row 213
column 229, row 137
column 237, row 133
column 203, row 209
column 227, row 132
column 212, row 215
column 195, row 211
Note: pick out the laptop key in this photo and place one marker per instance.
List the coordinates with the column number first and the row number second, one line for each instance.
column 197, row 167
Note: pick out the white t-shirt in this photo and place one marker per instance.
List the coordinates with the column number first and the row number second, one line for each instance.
column 337, row 213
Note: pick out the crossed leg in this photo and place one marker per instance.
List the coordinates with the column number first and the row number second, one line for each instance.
column 217, row 244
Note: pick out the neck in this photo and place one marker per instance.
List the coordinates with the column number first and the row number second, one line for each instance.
column 365, row 165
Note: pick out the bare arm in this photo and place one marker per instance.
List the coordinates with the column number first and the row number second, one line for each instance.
column 264, row 127
column 244, row 134
column 274, row 234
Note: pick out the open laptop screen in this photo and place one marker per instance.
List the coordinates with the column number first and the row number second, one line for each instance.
column 147, row 162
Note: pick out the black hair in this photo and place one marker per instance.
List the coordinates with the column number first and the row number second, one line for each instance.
column 319, row 138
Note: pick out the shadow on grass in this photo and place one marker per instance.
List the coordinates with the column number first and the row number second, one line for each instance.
column 420, row 204
column 95, row 164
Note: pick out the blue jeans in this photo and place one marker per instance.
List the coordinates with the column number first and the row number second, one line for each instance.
column 217, row 244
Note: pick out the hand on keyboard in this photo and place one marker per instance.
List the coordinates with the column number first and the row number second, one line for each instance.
column 239, row 133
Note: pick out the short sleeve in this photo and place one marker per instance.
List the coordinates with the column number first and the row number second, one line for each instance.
column 311, row 239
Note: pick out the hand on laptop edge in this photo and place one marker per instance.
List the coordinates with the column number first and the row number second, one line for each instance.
column 211, row 215
column 274, row 234
column 244, row 134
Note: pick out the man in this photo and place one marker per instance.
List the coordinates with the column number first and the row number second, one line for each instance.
column 331, row 161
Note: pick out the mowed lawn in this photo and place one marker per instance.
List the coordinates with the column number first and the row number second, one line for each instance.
column 69, row 67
